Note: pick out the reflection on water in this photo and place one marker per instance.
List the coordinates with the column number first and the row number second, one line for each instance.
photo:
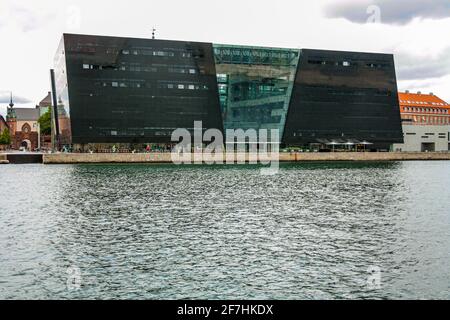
column 221, row 232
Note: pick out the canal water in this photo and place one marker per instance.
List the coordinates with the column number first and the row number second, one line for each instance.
column 314, row 231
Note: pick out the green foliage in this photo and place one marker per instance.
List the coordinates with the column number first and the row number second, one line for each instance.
column 45, row 122
column 5, row 137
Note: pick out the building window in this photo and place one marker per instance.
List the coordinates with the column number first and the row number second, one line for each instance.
column 86, row 66
column 115, row 84
column 26, row 128
column 177, row 70
column 163, row 54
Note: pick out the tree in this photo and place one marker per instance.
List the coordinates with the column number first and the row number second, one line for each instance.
column 5, row 138
column 45, row 122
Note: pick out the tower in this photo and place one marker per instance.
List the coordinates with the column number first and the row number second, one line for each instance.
column 11, row 104
column 11, row 118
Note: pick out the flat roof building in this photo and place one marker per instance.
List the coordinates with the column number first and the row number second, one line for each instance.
column 128, row 90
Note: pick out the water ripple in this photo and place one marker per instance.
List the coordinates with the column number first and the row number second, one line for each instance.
column 166, row 232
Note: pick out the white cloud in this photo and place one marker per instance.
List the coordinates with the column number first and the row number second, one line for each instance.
column 414, row 67
column 5, row 97
column 438, row 87
column 25, row 18
column 28, row 47
column 391, row 11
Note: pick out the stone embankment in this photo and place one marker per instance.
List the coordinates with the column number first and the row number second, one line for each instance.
column 74, row 158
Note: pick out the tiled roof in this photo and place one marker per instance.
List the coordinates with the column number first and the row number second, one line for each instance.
column 47, row 101
column 27, row 114
column 422, row 100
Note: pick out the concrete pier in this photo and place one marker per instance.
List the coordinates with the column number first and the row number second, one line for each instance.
column 74, row 158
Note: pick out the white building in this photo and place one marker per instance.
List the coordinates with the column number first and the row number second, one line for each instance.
column 426, row 123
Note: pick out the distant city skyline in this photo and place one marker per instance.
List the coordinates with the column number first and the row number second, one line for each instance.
column 412, row 30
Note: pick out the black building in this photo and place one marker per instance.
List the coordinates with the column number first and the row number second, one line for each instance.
column 340, row 97
column 122, row 90
column 126, row 90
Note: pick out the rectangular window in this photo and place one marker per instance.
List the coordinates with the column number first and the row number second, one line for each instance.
column 86, row 66
column 125, row 51
column 163, row 54
column 181, row 86
column 191, row 87
column 346, row 64
column 115, row 84
column 222, row 77
column 192, row 71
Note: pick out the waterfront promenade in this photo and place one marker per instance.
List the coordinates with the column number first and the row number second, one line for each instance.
column 74, row 158
column 80, row 158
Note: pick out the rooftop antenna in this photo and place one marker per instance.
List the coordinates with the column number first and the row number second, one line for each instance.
column 153, row 33
column 11, row 104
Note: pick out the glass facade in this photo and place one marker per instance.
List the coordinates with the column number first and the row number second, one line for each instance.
column 127, row 90
column 62, row 95
column 344, row 97
column 255, row 85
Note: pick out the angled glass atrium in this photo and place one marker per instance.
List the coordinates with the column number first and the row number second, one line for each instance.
column 255, row 85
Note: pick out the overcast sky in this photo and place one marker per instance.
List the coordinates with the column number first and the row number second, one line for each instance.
column 416, row 31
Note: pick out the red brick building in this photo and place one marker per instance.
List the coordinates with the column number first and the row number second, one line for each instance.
column 3, row 124
column 425, row 123
column 23, row 126
column 423, row 109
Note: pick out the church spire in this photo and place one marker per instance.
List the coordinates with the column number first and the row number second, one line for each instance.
column 11, row 104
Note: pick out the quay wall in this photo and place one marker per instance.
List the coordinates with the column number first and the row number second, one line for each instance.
column 74, row 158
column 3, row 159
